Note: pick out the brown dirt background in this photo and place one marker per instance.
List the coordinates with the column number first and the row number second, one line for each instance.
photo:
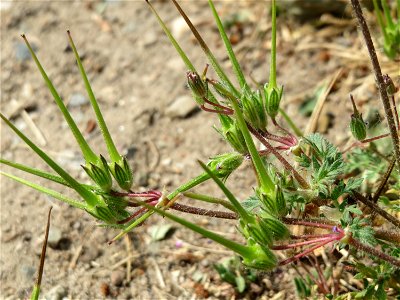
column 136, row 74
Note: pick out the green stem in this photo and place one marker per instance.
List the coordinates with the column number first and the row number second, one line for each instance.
column 87, row 152
column 90, row 198
column 239, row 208
column 112, row 150
column 228, row 46
column 291, row 124
column 47, row 191
column 262, row 174
column 272, row 74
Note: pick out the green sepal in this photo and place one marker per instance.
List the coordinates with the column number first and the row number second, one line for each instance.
column 262, row 258
column 273, row 96
column 224, row 164
column 280, row 201
column 253, row 110
column 357, row 124
column 100, row 174
column 271, row 224
column 231, row 133
column 267, row 201
column 122, row 173
column 197, row 86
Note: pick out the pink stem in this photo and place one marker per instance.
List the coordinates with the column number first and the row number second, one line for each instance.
column 295, row 245
column 309, row 236
column 304, row 253
column 310, row 223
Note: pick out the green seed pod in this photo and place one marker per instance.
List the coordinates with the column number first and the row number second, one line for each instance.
column 100, row 174
column 197, row 86
column 231, row 133
column 224, row 164
column 268, row 203
column 273, row 225
column 257, row 232
column 357, row 124
column 122, row 173
column 280, row 201
column 104, row 214
column 273, row 96
column 253, row 110
column 260, row 258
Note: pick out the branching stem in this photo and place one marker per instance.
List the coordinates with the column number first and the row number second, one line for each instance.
column 379, row 78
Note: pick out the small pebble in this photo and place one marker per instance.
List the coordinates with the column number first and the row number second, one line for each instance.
column 28, row 272
column 56, row 293
column 181, row 107
column 22, row 52
column 77, row 99
column 117, row 277
column 55, row 236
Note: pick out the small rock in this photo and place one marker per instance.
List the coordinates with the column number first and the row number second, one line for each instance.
column 117, row 277
column 56, row 293
column 55, row 236
column 181, row 107
column 89, row 254
column 178, row 27
column 28, row 272
column 77, row 99
column 22, row 52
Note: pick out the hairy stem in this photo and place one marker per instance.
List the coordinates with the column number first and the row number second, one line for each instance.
column 375, row 252
column 379, row 78
column 376, row 208
column 204, row 212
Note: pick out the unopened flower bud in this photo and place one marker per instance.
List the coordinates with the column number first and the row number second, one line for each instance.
column 231, row 133
column 280, row 201
column 260, row 258
column 271, row 224
column 100, row 174
column 357, row 124
column 253, row 110
column 273, row 96
column 122, row 173
column 197, row 86
column 224, row 164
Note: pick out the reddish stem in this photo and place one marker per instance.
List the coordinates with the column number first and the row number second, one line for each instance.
column 309, row 236
column 295, row 245
column 306, row 252
column 312, row 223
